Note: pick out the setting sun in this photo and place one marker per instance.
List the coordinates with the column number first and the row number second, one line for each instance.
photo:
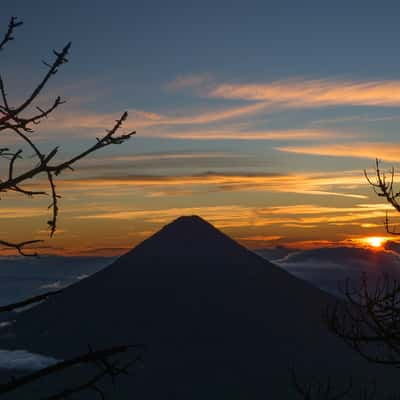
column 375, row 241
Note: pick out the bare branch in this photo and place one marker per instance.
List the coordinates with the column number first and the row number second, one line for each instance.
column 11, row 119
column 12, row 113
column 29, row 301
column 106, row 140
column 369, row 320
column 20, row 246
column 384, row 187
column 8, row 36
column 317, row 390
column 99, row 358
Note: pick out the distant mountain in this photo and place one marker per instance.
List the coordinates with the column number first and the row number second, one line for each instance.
column 392, row 246
column 219, row 321
column 326, row 267
column 276, row 253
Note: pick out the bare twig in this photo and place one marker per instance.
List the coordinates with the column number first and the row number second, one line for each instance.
column 11, row 119
column 369, row 321
column 99, row 358
column 383, row 186
column 8, row 36
column 14, row 120
column 317, row 390
column 20, row 246
column 29, row 301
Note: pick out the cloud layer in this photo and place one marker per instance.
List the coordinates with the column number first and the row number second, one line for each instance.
column 295, row 93
column 372, row 150
column 24, row 360
column 330, row 267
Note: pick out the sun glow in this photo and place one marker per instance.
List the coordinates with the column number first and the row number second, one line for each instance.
column 375, row 241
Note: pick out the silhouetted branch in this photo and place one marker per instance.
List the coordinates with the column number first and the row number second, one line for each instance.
column 383, row 186
column 12, row 113
column 8, row 36
column 317, row 390
column 20, row 246
column 29, row 301
column 11, row 119
column 369, row 320
column 101, row 359
column 113, row 370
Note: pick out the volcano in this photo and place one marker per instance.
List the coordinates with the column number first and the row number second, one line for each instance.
column 218, row 321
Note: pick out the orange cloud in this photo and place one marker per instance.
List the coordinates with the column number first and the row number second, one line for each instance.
column 222, row 216
column 155, row 125
column 307, row 183
column 314, row 93
column 141, row 119
column 235, row 216
column 305, row 209
column 384, row 151
column 260, row 238
column 22, row 212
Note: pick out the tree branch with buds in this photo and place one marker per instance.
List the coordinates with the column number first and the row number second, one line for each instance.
column 11, row 120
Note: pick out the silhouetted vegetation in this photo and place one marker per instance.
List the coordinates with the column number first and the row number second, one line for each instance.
column 368, row 320
column 384, row 187
column 15, row 119
column 103, row 360
column 318, row 390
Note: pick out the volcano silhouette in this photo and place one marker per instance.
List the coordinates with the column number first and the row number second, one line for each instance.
column 218, row 320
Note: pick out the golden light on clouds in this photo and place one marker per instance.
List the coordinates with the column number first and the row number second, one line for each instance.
column 313, row 93
column 222, row 157
column 385, row 151
column 375, row 242
column 319, row 184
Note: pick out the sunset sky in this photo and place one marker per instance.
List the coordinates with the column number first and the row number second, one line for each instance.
column 259, row 116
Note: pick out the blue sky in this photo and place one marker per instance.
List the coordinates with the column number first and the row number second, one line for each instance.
column 226, row 97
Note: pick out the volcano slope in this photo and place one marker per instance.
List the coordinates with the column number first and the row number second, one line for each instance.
column 218, row 322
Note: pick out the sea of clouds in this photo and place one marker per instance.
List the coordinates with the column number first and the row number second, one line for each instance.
column 24, row 360
column 325, row 267
column 330, row 267
column 22, row 277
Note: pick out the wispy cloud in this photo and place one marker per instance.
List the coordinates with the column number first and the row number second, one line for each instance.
column 328, row 184
column 21, row 212
column 305, row 209
column 234, row 216
column 141, row 119
column 158, row 160
column 189, row 81
column 354, row 118
column 260, row 238
column 225, row 134
column 384, row 151
column 171, row 156
column 222, row 216
column 314, row 93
